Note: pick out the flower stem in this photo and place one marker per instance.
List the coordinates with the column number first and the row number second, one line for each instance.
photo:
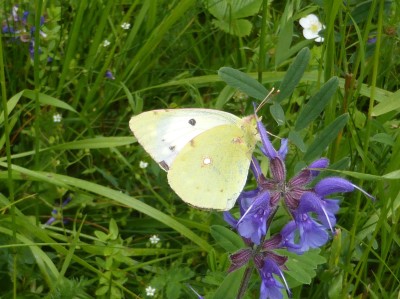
column 245, row 281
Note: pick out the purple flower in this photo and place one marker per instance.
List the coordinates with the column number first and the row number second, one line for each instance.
column 21, row 30
column 24, row 17
column 57, row 212
column 109, row 75
column 8, row 29
column 269, row 264
column 270, row 287
column 312, row 214
column 371, row 40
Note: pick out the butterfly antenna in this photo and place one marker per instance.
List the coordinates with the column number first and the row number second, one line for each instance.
column 263, row 102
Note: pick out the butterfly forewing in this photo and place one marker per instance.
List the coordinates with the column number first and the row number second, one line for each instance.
column 164, row 133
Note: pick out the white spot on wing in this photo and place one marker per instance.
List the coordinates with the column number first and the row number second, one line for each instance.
column 206, row 161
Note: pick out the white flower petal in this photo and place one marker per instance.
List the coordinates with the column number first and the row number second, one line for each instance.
column 305, row 23
column 309, row 34
column 313, row 18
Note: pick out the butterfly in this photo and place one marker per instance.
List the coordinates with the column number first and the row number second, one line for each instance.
column 206, row 153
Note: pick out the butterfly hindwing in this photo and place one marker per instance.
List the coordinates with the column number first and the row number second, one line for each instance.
column 211, row 170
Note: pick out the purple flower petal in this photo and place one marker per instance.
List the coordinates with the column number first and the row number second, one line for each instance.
column 283, row 149
column 230, row 219
column 304, row 234
column 253, row 224
column 270, row 286
column 333, row 185
column 267, row 147
column 325, row 209
column 320, row 163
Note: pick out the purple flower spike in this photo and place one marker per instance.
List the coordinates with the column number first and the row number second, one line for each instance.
column 312, row 215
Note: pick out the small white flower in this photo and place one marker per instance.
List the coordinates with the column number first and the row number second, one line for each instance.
column 125, row 26
column 106, row 43
column 150, row 291
column 154, row 239
column 143, row 164
column 311, row 26
column 57, row 117
column 15, row 13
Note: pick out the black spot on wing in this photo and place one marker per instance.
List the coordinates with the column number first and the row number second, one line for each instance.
column 192, row 122
column 172, row 148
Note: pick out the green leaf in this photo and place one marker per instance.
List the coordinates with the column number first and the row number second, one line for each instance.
column 226, row 238
column 237, row 27
column 233, row 9
column 97, row 142
column 317, row 103
column 390, row 104
column 302, row 267
column 383, row 138
column 326, row 137
column 11, row 103
column 230, row 286
column 394, row 175
column 224, row 96
column 45, row 99
column 72, row 183
column 277, row 113
column 113, row 228
column 297, row 140
column 284, row 41
column 243, row 82
column 294, row 74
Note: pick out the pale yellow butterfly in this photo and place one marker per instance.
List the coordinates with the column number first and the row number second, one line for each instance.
column 207, row 153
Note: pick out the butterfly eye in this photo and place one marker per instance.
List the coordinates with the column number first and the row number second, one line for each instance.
column 192, row 121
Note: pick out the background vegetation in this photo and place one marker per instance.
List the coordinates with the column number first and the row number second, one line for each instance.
column 69, row 89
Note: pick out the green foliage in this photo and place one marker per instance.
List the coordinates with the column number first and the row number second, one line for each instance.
column 64, row 132
column 230, row 15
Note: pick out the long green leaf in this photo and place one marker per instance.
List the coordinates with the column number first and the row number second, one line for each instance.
column 11, row 103
column 325, row 137
column 45, row 99
column 294, row 74
column 317, row 103
column 126, row 200
column 243, row 82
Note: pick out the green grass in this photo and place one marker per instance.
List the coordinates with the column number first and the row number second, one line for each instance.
column 170, row 57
